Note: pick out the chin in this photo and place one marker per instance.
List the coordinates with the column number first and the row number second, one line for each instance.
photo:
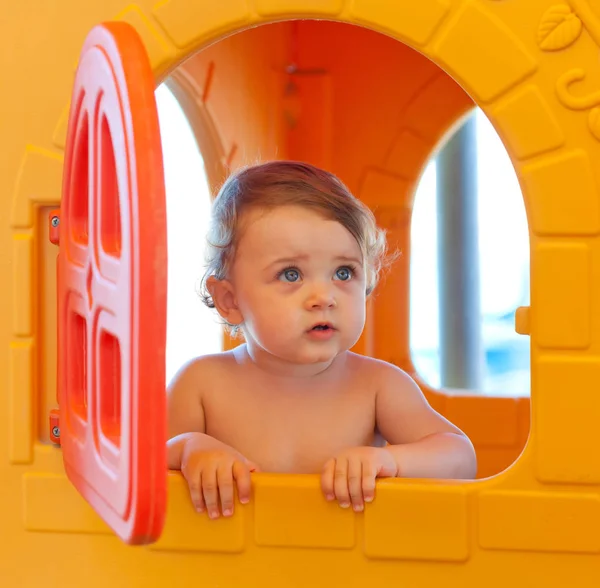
column 315, row 358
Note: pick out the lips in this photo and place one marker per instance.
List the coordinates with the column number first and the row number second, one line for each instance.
column 322, row 327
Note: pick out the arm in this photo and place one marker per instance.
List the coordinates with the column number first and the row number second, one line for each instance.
column 201, row 442
column 423, row 443
column 185, row 413
column 209, row 466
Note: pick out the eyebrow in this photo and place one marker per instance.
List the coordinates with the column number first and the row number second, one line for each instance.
column 349, row 259
column 296, row 259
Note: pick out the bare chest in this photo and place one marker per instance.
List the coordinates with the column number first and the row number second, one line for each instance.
column 291, row 430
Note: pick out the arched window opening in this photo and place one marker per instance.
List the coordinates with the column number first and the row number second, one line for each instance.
column 503, row 270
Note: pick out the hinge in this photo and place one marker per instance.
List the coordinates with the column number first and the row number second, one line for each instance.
column 53, row 235
column 55, row 426
column 54, row 225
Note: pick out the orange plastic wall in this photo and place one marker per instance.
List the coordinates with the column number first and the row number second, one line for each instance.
column 241, row 79
column 374, row 116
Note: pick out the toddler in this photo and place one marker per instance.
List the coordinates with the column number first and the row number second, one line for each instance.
column 292, row 258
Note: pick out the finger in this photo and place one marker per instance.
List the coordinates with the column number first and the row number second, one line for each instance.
column 327, row 479
column 252, row 467
column 368, row 482
column 225, row 485
column 195, row 486
column 241, row 475
column 340, row 482
column 210, row 490
column 355, row 483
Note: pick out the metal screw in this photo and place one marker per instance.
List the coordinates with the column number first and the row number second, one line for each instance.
column 56, row 431
column 55, row 220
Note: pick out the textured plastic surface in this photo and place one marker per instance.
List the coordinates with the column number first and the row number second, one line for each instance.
column 112, row 288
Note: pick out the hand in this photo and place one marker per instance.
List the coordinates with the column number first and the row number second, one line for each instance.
column 210, row 474
column 350, row 476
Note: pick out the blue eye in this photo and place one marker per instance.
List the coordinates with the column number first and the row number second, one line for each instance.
column 289, row 275
column 343, row 273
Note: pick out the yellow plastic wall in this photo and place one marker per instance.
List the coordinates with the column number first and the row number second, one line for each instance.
column 535, row 523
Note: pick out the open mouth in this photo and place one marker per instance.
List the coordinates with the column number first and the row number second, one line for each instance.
column 322, row 327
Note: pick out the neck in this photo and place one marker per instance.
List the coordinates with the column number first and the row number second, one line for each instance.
column 274, row 366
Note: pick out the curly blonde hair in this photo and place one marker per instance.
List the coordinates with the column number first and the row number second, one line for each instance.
column 280, row 183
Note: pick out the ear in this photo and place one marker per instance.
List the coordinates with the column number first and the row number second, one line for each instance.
column 223, row 295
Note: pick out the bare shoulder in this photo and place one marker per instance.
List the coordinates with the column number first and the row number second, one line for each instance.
column 186, row 390
column 382, row 374
column 203, row 368
column 403, row 412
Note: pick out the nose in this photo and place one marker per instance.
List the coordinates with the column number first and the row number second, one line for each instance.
column 320, row 297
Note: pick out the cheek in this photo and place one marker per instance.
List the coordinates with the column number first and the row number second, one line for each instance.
column 356, row 295
column 262, row 305
column 357, row 307
column 359, row 313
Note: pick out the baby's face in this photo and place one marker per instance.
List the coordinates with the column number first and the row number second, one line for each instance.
column 299, row 282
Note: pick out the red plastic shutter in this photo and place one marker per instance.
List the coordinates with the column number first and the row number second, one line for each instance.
column 112, row 280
